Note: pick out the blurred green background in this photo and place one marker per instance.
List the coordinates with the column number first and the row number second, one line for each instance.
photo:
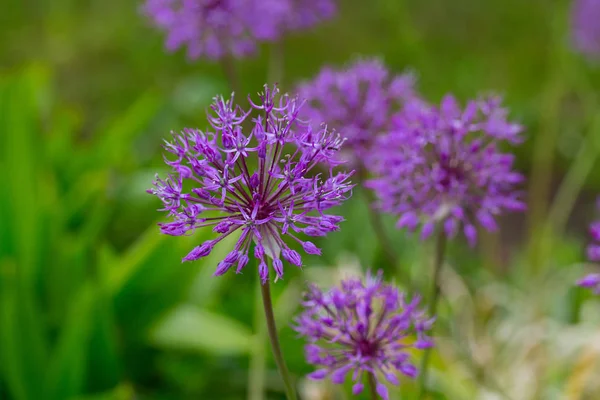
column 95, row 303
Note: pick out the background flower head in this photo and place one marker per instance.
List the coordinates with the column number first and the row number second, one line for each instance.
column 358, row 100
column 362, row 327
column 444, row 164
column 585, row 28
column 218, row 28
column 254, row 175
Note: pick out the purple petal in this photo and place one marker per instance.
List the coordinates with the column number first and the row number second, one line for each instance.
column 310, row 248
column 589, row 281
column 471, row 234
column 278, row 267
column 382, row 391
column 427, row 230
column 487, row 221
column 200, row 251
column 318, row 374
column 409, row 370
column 242, row 262
column 392, row 378
column 357, row 388
column 409, row 220
column 339, row 375
column 593, row 252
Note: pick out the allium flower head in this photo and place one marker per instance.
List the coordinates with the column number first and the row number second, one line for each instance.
column 444, row 165
column 219, row 28
column 585, row 27
column 362, row 327
column 358, row 101
column 592, row 281
column 260, row 183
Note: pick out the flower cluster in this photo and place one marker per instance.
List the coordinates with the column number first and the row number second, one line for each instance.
column 358, row 101
column 585, row 27
column 592, row 281
column 362, row 328
column 444, row 165
column 219, row 28
column 261, row 184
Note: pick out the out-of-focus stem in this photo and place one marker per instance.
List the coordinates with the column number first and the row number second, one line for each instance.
column 572, row 184
column 540, row 179
column 440, row 251
column 290, row 391
column 379, row 229
column 373, row 387
column 541, row 172
column 256, row 374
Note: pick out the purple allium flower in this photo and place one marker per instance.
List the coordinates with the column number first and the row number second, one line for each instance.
column 219, row 28
column 444, row 165
column 362, row 328
column 585, row 27
column 254, row 176
column 358, row 101
column 592, row 281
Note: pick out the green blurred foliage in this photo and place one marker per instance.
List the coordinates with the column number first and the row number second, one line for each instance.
column 94, row 302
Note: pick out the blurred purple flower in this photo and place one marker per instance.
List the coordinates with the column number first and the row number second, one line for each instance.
column 260, row 184
column 362, row 327
column 358, row 100
column 585, row 27
column 592, row 281
column 444, row 165
column 218, row 28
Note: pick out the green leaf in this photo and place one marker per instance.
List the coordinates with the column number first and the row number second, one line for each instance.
column 104, row 364
column 67, row 370
column 116, row 142
column 19, row 158
column 11, row 363
column 22, row 349
column 121, row 392
column 133, row 259
column 205, row 287
column 287, row 303
column 197, row 330
column 23, row 345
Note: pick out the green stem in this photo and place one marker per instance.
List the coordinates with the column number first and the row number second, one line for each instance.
column 265, row 290
column 373, row 387
column 540, row 180
column 543, row 160
column 256, row 374
column 575, row 178
column 571, row 187
column 440, row 250
column 572, row 184
column 378, row 227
